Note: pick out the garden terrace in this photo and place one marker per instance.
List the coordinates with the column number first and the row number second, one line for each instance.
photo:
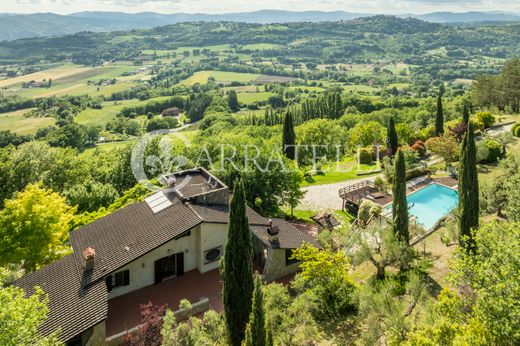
column 363, row 190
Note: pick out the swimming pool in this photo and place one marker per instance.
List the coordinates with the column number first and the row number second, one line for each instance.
column 431, row 204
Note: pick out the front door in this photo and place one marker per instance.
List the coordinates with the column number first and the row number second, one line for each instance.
column 169, row 266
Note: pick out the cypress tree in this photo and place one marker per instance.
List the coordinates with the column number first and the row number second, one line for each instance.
column 256, row 328
column 393, row 142
column 269, row 341
column 236, row 271
column 289, row 137
column 400, row 204
column 465, row 114
column 468, row 189
column 233, row 101
column 439, row 117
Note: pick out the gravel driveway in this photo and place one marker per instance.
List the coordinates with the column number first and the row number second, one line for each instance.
column 326, row 197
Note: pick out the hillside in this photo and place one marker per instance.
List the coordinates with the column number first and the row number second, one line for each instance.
column 18, row 26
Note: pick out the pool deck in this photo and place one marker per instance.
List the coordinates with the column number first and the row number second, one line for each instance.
column 447, row 181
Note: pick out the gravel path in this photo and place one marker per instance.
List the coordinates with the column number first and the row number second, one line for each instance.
column 326, row 197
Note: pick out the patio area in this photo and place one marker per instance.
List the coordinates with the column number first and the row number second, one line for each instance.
column 123, row 311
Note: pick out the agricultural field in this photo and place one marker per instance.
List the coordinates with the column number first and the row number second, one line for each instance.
column 254, row 97
column 74, row 80
column 220, row 77
column 18, row 123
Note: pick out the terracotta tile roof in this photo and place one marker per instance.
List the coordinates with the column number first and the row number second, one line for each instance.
column 289, row 237
column 127, row 234
column 220, row 214
column 72, row 308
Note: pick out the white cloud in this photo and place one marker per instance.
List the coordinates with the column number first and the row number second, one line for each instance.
column 221, row 6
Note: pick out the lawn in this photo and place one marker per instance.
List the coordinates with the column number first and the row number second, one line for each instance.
column 17, row 122
column 220, row 76
column 346, row 170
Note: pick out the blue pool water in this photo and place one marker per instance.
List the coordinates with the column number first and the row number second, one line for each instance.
column 431, row 203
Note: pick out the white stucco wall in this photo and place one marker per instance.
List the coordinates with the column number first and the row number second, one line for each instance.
column 142, row 270
column 212, row 235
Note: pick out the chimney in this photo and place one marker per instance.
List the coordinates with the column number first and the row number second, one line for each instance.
column 273, row 231
column 89, row 254
column 169, row 180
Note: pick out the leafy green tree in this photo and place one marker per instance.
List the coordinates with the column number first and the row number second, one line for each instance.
column 367, row 134
column 393, row 141
column 256, row 328
column 324, row 134
column 480, row 306
column 484, row 120
column 381, row 248
column 233, row 101
column 121, row 175
column 439, row 116
column 237, row 272
column 21, row 317
column 91, row 195
column 445, row 146
column 326, row 275
column 291, row 320
column 390, row 310
column 400, row 204
column 468, row 189
column 289, row 137
column 34, row 227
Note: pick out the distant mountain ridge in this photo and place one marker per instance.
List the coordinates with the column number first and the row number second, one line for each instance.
column 15, row 26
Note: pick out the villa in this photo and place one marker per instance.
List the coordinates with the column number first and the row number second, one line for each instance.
column 162, row 250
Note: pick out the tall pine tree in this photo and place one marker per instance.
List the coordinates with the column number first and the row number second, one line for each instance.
column 256, row 328
column 439, row 117
column 236, row 271
column 468, row 189
column 233, row 101
column 393, row 141
column 289, row 137
column 400, row 204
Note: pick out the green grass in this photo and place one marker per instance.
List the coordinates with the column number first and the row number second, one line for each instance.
column 254, row 97
column 109, row 111
column 262, row 46
column 103, row 148
column 346, row 170
column 18, row 123
column 220, row 76
column 73, row 80
column 359, row 88
column 307, row 88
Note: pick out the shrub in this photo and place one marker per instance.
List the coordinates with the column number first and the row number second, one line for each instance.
column 417, row 172
column 485, row 119
column 516, row 130
column 419, row 147
column 495, row 150
column 380, row 184
column 366, row 210
column 365, row 156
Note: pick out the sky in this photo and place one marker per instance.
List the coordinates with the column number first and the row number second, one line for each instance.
column 223, row 6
